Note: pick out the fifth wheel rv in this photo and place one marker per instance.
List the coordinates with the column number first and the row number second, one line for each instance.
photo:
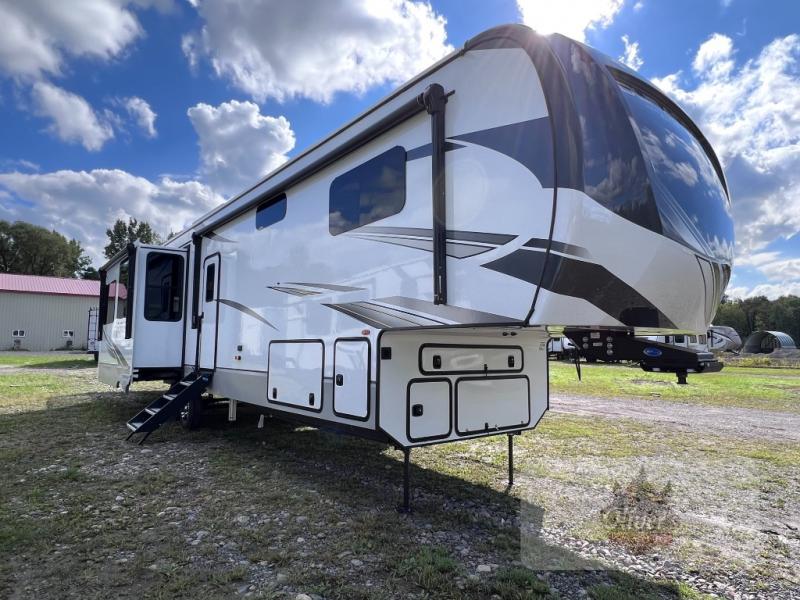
column 400, row 279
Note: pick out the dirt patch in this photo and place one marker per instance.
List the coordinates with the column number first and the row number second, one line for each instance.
column 728, row 421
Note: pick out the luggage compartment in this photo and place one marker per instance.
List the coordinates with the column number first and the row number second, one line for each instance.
column 294, row 374
column 454, row 359
column 436, row 386
column 429, row 409
column 486, row 404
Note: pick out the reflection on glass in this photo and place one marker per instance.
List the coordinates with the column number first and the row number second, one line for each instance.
column 613, row 172
column 691, row 199
column 122, row 291
column 271, row 212
column 373, row 190
column 163, row 298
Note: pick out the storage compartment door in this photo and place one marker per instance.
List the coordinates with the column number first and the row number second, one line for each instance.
column 351, row 379
column 294, row 376
column 491, row 404
column 428, row 410
column 453, row 359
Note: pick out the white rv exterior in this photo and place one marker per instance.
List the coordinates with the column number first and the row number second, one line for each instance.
column 400, row 280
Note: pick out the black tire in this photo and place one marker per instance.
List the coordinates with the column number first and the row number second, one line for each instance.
column 192, row 414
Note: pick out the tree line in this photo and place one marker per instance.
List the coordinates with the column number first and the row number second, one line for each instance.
column 755, row 314
column 28, row 249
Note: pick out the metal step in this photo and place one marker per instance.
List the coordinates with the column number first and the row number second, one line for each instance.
column 167, row 406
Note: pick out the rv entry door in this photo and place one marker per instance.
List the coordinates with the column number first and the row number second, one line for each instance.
column 158, row 297
column 209, row 308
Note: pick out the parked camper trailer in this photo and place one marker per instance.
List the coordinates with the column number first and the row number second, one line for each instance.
column 723, row 339
column 561, row 348
column 400, row 279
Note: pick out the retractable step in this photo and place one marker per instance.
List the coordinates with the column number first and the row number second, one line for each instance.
column 168, row 406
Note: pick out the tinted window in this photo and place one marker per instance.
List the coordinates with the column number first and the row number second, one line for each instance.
column 271, row 212
column 679, row 339
column 613, row 171
column 373, row 190
column 691, row 199
column 122, row 291
column 163, row 296
column 111, row 297
column 211, row 280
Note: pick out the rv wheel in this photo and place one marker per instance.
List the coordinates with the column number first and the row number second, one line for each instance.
column 192, row 413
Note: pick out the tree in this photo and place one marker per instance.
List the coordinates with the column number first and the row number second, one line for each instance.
column 122, row 234
column 90, row 273
column 32, row 250
column 753, row 314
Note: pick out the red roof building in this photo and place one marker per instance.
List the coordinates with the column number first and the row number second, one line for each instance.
column 60, row 286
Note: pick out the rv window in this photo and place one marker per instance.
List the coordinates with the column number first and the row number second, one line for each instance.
column 692, row 339
column 211, row 272
column 372, row 191
column 271, row 212
column 702, row 338
column 163, row 296
column 122, row 291
column 18, row 333
column 680, row 339
column 111, row 299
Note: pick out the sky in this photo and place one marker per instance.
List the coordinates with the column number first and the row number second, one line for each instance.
column 162, row 109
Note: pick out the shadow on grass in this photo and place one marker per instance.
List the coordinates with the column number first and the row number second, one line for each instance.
column 364, row 477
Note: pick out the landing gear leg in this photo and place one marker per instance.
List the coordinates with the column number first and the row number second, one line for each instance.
column 405, row 508
column 510, row 460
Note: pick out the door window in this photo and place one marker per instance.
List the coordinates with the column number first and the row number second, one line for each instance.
column 211, row 280
column 163, row 297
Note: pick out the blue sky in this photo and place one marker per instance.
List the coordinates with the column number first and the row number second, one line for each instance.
column 160, row 109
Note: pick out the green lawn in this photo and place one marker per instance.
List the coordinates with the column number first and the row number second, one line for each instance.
column 51, row 360
column 747, row 387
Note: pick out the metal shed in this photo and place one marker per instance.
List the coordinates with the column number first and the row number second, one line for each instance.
column 45, row 313
column 765, row 342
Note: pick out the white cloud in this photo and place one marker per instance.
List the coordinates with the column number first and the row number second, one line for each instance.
column 750, row 112
column 73, row 119
column 82, row 204
column 782, row 270
column 239, row 145
column 714, row 58
column 570, row 17
column 631, row 56
column 638, row 6
column 770, row 290
column 315, row 48
column 757, row 259
column 143, row 115
column 38, row 34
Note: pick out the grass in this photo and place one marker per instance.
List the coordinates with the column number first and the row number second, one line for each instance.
column 47, row 360
column 626, row 587
column 745, row 387
column 81, row 511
